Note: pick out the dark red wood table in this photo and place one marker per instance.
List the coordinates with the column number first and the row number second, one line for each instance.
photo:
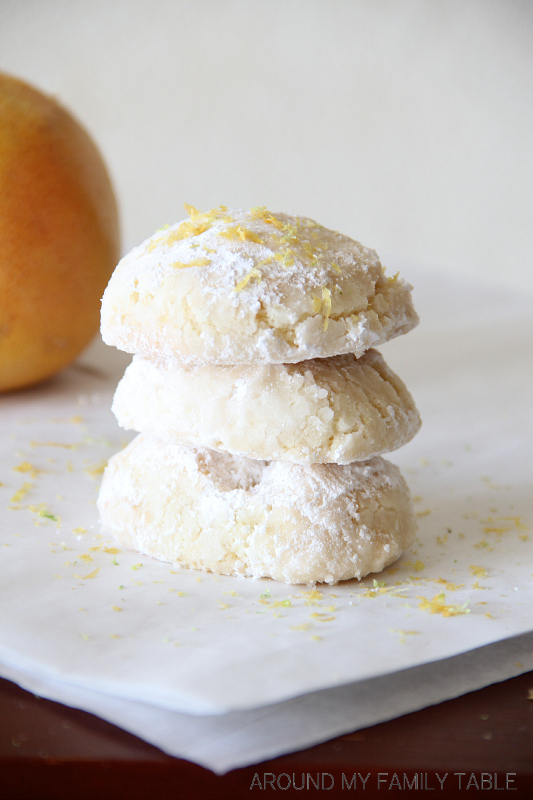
column 482, row 742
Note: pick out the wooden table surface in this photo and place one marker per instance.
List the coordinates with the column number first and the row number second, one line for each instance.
column 51, row 752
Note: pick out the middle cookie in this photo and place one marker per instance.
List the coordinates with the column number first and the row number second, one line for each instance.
column 333, row 410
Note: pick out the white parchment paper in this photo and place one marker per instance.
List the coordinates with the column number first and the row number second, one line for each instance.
column 74, row 612
column 240, row 738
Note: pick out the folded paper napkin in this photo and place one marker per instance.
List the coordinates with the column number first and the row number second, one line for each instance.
column 82, row 620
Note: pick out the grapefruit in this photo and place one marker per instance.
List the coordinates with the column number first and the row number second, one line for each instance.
column 59, row 235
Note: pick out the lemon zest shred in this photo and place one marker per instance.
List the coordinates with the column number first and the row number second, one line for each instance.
column 317, row 304
column 96, row 469
column 25, row 466
column 22, row 492
column 261, row 212
column 518, row 522
column 496, row 530
column 92, row 574
column 55, row 444
column 239, row 232
column 326, row 299
column 195, row 262
column 254, row 273
column 479, row 572
column 438, row 606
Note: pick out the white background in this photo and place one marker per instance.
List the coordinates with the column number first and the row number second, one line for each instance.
column 406, row 125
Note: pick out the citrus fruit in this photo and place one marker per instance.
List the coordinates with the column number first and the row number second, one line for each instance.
column 59, row 235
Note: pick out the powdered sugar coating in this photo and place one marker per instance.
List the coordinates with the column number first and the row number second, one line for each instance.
column 236, row 516
column 335, row 410
column 237, row 287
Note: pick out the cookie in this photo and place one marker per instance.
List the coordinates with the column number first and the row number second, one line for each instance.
column 236, row 516
column 338, row 410
column 241, row 287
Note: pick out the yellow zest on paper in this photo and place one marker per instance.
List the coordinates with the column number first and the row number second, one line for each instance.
column 223, row 606
column 450, row 587
column 112, row 550
column 438, row 606
column 312, row 597
column 96, row 469
column 254, row 273
column 404, row 634
column 55, row 444
column 425, row 513
column 419, row 566
column 22, row 492
column 194, row 262
column 518, row 523
column 479, row 572
column 79, row 530
column 92, row 574
column 321, row 617
column 85, row 557
column 496, row 530
column 281, row 604
column 305, row 626
column 116, row 608
column 27, row 467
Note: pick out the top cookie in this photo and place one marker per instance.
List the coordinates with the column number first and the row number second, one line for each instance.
column 240, row 287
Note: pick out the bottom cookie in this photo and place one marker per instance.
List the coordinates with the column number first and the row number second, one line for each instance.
column 232, row 515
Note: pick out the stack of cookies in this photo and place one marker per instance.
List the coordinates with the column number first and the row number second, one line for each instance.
column 261, row 407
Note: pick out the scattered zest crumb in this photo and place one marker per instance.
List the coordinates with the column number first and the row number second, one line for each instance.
column 438, row 606
column 479, row 572
column 92, row 574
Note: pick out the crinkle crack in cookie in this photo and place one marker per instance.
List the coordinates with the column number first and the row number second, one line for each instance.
column 335, row 410
column 237, row 287
column 235, row 516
